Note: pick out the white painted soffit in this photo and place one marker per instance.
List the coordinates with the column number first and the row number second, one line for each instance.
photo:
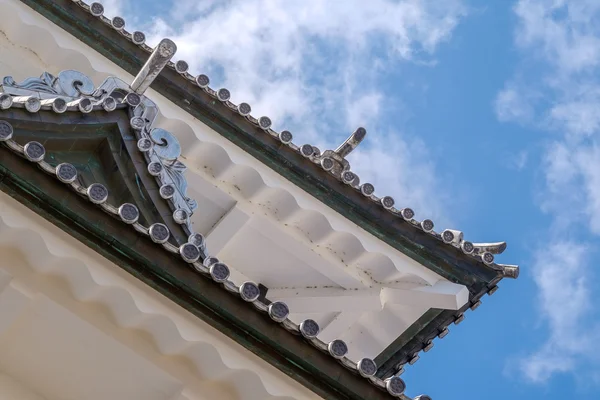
column 49, row 279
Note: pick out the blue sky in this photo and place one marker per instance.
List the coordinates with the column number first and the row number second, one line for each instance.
column 482, row 115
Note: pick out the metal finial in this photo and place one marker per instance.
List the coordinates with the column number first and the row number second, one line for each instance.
column 351, row 143
column 494, row 248
column 157, row 61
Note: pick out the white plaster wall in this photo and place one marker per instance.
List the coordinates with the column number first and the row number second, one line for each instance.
column 10, row 389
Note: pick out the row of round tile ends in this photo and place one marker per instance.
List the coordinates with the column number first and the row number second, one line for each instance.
column 190, row 253
column 307, row 150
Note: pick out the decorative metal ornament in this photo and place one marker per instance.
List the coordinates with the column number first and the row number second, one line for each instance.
column 197, row 240
column 219, row 272
column 348, row 177
column 109, row 104
column 264, row 123
column 278, row 311
column 154, row 168
column 133, row 99
column 337, row 348
column 366, row 367
column 309, row 328
column 59, row 105
column 6, row 101
column 467, row 247
column 158, row 60
column 427, row 225
column 166, row 191
column 66, row 173
column 159, row 233
column 137, row 123
column 96, row 9
column 387, row 202
column 138, row 37
column 327, row 163
column 189, row 252
column 180, row 216
column 367, row 189
column 244, row 109
column 97, row 193
column 144, row 145
column 74, row 84
column 85, row 105
column 129, row 213
column 395, row 386
column 487, row 258
column 249, row 291
column 168, row 146
column 209, row 261
column 33, row 104
column 6, row 131
column 68, row 83
column 181, row 67
column 509, row 271
column 118, row 23
column 285, row 137
column 351, row 143
column 223, row 94
column 202, row 81
column 407, row 213
column 306, row 150
column 34, row 151
column 447, row 236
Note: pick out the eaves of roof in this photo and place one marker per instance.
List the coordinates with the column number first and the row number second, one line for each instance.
column 256, row 138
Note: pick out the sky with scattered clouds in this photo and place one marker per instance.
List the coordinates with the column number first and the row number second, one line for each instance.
column 482, row 115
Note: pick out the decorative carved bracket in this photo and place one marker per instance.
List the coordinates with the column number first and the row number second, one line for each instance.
column 74, row 91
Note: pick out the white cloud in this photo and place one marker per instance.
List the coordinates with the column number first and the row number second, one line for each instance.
column 112, row 8
column 588, row 160
column 511, row 104
column 561, row 273
column 519, row 160
column 560, row 40
column 314, row 67
column 564, row 32
column 579, row 116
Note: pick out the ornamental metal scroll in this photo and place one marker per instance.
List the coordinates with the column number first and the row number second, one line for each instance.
column 73, row 91
column 68, row 83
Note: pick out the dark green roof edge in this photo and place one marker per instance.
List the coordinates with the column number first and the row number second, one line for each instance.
column 445, row 260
